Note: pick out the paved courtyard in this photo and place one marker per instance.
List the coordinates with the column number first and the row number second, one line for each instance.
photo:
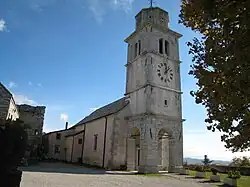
column 66, row 175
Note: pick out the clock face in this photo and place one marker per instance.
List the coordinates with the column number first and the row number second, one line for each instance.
column 165, row 72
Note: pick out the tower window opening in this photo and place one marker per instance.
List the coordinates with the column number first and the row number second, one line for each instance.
column 166, row 47
column 136, row 48
column 139, row 42
column 166, row 102
column 161, row 46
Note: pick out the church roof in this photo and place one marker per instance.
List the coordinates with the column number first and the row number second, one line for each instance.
column 106, row 110
column 6, row 90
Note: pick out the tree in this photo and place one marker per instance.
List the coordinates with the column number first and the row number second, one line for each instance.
column 206, row 161
column 241, row 162
column 221, row 65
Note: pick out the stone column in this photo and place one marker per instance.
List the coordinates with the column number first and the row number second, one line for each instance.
column 131, row 154
column 165, row 153
column 175, row 156
column 149, row 156
column 160, row 152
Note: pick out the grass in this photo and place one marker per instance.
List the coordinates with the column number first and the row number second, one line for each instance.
column 244, row 181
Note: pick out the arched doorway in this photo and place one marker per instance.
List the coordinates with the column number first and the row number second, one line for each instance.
column 163, row 150
column 133, row 153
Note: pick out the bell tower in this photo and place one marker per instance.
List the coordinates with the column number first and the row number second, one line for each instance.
column 154, row 88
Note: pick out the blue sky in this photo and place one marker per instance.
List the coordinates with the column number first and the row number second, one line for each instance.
column 69, row 55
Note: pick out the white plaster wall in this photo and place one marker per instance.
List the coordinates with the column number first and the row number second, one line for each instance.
column 13, row 110
column 68, row 145
column 62, row 143
column 77, row 150
column 95, row 157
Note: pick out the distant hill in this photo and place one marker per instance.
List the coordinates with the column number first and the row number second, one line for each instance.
column 199, row 161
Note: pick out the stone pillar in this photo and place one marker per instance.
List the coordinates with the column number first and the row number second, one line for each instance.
column 149, row 156
column 131, row 154
column 160, row 152
column 165, row 153
column 175, row 156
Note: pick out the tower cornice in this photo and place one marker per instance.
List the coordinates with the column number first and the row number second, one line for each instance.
column 131, row 36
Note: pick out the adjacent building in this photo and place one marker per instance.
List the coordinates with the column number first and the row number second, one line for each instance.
column 33, row 118
column 8, row 108
column 142, row 130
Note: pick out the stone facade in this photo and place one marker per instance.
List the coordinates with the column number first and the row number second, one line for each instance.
column 143, row 130
column 154, row 89
column 33, row 117
column 8, row 108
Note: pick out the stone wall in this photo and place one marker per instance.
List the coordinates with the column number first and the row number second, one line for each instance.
column 5, row 97
column 33, row 117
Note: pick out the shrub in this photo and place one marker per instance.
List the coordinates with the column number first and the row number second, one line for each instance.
column 199, row 169
column 214, row 171
column 234, row 174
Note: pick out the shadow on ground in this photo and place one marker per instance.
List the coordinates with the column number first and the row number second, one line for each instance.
column 71, row 169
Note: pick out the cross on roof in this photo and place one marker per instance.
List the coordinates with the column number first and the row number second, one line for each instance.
column 151, row 3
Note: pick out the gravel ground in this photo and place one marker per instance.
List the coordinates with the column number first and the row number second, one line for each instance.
column 65, row 175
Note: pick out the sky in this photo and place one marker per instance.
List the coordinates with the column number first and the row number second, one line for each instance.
column 69, row 55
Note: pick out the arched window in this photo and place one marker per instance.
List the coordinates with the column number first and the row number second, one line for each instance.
column 139, row 42
column 161, row 46
column 166, row 47
column 136, row 48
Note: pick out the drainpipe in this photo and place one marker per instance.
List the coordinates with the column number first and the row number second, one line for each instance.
column 104, row 144
column 72, row 150
column 83, row 141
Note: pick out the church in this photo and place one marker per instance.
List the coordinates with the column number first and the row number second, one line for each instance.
column 143, row 130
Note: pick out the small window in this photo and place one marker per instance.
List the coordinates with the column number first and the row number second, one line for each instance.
column 166, row 47
column 139, row 42
column 95, row 142
column 57, row 148
column 35, row 132
column 166, row 102
column 136, row 48
column 161, row 46
column 58, row 136
column 80, row 141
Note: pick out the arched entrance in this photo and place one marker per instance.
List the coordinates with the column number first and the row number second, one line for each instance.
column 133, row 153
column 163, row 150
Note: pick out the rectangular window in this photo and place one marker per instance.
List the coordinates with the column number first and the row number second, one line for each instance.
column 35, row 132
column 161, row 46
column 80, row 141
column 166, row 47
column 136, row 48
column 57, row 148
column 95, row 142
column 58, row 136
column 139, row 47
column 166, row 102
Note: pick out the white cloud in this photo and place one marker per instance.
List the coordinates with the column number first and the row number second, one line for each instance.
column 40, row 85
column 21, row 99
column 2, row 25
column 200, row 143
column 12, row 84
column 30, row 83
column 125, row 5
column 64, row 117
column 99, row 7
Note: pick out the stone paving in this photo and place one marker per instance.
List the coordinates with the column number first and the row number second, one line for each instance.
column 65, row 175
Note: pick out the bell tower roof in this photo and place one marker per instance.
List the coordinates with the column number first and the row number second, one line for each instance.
column 154, row 16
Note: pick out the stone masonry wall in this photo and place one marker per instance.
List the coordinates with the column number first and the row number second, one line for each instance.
column 33, row 116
